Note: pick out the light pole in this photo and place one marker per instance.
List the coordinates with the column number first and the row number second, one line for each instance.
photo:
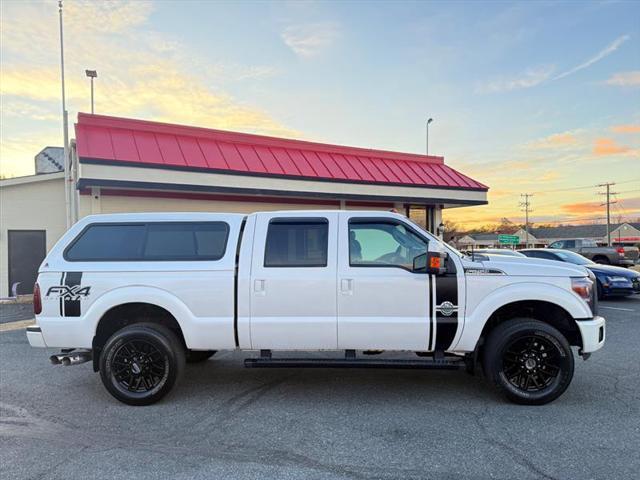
column 91, row 74
column 428, row 122
column 65, row 130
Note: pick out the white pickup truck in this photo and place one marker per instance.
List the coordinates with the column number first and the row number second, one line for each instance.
column 140, row 294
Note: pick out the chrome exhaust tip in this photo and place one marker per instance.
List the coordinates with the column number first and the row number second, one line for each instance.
column 76, row 358
column 56, row 359
column 68, row 359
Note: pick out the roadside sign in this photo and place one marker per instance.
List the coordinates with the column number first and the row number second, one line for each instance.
column 508, row 239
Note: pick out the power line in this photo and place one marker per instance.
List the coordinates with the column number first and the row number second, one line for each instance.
column 583, row 187
column 629, row 181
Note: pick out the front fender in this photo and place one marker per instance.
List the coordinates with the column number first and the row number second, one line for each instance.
column 533, row 291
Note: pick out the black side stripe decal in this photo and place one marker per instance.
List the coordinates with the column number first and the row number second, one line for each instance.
column 430, row 310
column 61, row 283
column 72, row 307
column 446, row 325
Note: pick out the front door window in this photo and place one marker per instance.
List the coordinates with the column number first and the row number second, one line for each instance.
column 383, row 244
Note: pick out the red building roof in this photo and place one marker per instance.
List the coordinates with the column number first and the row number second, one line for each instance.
column 104, row 139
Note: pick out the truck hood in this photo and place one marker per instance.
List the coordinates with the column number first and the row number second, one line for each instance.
column 529, row 267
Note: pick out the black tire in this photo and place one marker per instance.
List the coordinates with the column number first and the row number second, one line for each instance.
column 141, row 363
column 197, row 356
column 602, row 260
column 529, row 361
column 600, row 290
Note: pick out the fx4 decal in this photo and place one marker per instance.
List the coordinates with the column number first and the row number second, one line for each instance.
column 68, row 292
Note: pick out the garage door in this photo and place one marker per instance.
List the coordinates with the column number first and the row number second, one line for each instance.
column 27, row 249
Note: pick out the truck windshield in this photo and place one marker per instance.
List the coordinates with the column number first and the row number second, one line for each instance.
column 574, row 258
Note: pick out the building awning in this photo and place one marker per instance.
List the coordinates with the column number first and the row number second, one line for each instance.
column 140, row 143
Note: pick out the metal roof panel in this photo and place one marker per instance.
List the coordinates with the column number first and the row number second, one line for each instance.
column 132, row 141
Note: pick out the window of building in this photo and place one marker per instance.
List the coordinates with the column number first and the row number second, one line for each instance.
column 297, row 243
column 383, row 244
column 161, row 241
column 422, row 215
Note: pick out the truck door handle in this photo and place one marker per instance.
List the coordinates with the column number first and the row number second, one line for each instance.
column 258, row 287
column 346, row 286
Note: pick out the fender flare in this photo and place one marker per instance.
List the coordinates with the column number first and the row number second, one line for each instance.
column 518, row 292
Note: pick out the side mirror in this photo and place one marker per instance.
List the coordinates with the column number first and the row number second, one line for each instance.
column 433, row 263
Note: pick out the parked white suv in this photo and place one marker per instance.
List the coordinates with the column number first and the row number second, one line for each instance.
column 140, row 294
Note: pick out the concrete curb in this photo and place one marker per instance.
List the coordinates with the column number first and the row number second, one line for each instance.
column 19, row 325
column 18, row 299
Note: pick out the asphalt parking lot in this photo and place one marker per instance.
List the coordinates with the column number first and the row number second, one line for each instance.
column 227, row 421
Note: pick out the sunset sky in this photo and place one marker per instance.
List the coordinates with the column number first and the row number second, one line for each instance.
column 538, row 97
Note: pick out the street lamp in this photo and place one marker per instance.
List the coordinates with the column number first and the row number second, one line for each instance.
column 428, row 122
column 91, row 74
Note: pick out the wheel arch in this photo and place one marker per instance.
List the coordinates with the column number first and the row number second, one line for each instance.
column 541, row 310
column 604, row 259
column 545, row 302
column 125, row 306
column 125, row 314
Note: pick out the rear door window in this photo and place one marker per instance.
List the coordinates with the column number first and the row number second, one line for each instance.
column 297, row 243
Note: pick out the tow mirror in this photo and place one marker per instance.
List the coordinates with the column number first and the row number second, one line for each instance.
column 433, row 263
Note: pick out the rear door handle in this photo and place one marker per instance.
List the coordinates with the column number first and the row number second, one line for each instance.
column 346, row 286
column 258, row 287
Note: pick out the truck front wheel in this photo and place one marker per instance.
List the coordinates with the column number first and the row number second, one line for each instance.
column 140, row 363
column 529, row 361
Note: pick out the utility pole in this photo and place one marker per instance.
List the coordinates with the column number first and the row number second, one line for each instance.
column 525, row 206
column 428, row 123
column 608, row 203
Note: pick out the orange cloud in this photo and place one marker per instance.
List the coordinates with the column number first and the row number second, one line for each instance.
column 625, row 79
column 562, row 139
column 557, row 140
column 549, row 176
column 581, row 208
column 607, row 146
column 626, row 128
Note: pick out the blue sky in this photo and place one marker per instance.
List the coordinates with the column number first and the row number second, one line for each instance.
column 526, row 96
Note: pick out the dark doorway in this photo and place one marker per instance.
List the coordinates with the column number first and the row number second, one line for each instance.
column 27, row 249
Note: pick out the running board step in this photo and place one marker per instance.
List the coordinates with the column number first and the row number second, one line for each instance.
column 443, row 364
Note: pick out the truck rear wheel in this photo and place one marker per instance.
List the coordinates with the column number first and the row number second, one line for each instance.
column 141, row 363
column 529, row 361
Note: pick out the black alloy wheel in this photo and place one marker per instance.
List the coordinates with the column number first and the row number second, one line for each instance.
column 141, row 363
column 529, row 361
column 138, row 366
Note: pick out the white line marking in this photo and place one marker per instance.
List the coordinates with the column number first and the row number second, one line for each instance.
column 616, row 308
